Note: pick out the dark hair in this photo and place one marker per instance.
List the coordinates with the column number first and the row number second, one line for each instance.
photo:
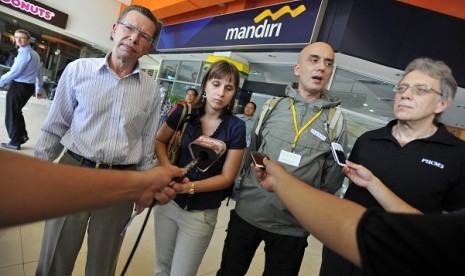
column 145, row 12
column 193, row 89
column 218, row 70
column 254, row 105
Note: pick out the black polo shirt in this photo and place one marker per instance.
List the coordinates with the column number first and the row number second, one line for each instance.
column 427, row 173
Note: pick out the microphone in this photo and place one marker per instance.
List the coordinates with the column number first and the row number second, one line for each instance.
column 205, row 151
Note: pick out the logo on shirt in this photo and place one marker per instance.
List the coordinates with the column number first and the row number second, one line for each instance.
column 432, row 163
column 317, row 134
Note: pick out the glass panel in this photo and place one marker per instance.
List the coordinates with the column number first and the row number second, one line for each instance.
column 203, row 71
column 189, row 71
column 363, row 94
column 168, row 69
column 272, row 73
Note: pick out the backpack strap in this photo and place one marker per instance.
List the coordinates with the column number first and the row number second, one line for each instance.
column 268, row 106
column 335, row 123
column 184, row 114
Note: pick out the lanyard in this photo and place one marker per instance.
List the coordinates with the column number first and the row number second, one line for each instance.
column 298, row 131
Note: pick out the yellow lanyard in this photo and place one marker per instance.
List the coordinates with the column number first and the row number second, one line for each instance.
column 297, row 131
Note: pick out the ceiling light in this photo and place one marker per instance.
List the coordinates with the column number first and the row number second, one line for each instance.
column 365, row 104
column 371, row 110
column 461, row 106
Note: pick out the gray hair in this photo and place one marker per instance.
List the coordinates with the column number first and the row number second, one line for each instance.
column 438, row 70
column 145, row 12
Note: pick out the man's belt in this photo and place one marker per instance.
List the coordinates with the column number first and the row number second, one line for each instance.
column 97, row 165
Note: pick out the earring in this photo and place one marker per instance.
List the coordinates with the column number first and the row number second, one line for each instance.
column 204, row 96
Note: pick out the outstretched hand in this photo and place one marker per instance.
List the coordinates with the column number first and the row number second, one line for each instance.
column 158, row 185
column 272, row 174
column 359, row 175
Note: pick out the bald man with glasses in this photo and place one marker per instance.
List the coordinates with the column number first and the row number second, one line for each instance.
column 414, row 155
column 104, row 115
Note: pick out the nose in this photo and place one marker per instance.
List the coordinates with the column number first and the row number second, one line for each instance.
column 134, row 36
column 222, row 90
column 321, row 65
column 408, row 95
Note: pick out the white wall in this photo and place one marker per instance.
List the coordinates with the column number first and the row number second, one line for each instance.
column 88, row 20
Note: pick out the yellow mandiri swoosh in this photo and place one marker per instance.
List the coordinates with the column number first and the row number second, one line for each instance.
column 279, row 13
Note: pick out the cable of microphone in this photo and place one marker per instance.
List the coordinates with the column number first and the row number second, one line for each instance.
column 205, row 151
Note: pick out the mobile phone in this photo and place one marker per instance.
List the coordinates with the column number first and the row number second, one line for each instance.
column 338, row 153
column 257, row 159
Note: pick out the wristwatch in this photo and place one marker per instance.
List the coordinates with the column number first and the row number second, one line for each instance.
column 192, row 189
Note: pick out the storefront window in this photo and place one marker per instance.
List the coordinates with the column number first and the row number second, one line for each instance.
column 178, row 76
column 168, row 69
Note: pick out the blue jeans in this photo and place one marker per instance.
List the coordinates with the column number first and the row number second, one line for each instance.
column 283, row 254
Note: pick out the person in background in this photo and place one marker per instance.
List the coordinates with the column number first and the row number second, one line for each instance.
column 26, row 78
column 184, row 226
column 415, row 156
column 248, row 117
column 105, row 114
column 191, row 97
column 296, row 134
column 378, row 242
column 39, row 186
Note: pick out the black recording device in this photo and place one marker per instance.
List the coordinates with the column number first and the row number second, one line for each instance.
column 257, row 159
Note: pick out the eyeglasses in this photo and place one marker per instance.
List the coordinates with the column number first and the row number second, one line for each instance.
column 418, row 89
column 21, row 38
column 130, row 29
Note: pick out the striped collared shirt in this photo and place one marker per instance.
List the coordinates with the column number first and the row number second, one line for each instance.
column 102, row 117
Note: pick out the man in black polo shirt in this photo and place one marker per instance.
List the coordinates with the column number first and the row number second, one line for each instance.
column 415, row 156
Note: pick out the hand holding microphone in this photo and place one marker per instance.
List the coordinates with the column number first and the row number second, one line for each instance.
column 205, row 151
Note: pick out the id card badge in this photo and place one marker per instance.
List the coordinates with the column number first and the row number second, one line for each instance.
column 289, row 158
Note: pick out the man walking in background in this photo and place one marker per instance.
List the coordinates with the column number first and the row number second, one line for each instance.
column 24, row 73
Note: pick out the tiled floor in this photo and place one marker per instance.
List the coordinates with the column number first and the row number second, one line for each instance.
column 20, row 246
